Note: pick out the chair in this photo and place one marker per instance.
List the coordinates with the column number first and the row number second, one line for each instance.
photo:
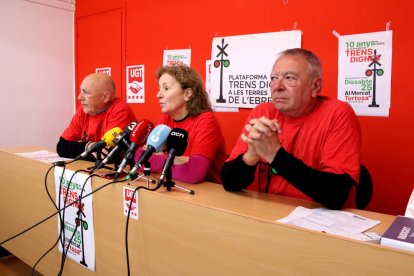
column 364, row 189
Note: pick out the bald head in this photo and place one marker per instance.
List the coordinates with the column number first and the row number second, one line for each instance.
column 101, row 82
column 96, row 92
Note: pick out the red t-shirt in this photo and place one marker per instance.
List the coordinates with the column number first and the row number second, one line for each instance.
column 204, row 138
column 327, row 139
column 93, row 127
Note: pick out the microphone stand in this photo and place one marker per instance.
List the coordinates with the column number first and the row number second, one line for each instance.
column 168, row 183
column 98, row 161
column 147, row 172
column 145, row 175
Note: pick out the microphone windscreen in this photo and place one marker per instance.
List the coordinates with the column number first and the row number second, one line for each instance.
column 177, row 140
column 140, row 133
column 110, row 135
column 158, row 137
column 130, row 127
column 122, row 139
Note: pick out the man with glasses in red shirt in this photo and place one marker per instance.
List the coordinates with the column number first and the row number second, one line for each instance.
column 301, row 144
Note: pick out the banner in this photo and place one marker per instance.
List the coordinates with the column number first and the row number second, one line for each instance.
column 364, row 72
column 128, row 191
column 78, row 218
column 135, row 84
column 106, row 70
column 174, row 57
column 242, row 66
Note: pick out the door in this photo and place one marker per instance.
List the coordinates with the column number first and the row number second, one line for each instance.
column 99, row 45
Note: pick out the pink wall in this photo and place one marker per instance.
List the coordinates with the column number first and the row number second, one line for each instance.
column 36, row 72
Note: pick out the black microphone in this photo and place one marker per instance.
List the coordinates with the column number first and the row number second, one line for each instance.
column 176, row 144
column 124, row 140
column 121, row 141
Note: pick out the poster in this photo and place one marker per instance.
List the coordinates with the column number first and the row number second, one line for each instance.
column 364, row 72
column 174, row 57
column 135, row 84
column 242, row 66
column 128, row 192
column 78, row 217
column 105, row 70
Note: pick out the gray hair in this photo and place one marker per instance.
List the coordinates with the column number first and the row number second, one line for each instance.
column 315, row 68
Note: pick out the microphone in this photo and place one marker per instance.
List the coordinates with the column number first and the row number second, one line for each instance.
column 139, row 135
column 120, row 141
column 176, row 144
column 106, row 141
column 156, row 140
column 124, row 139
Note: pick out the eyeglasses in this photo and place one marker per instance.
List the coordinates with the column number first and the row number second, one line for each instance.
column 288, row 79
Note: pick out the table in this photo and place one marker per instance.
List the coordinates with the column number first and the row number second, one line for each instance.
column 210, row 233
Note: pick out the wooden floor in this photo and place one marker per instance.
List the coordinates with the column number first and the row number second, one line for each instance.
column 12, row 266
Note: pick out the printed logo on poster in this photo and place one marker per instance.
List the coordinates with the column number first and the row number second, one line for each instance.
column 135, row 91
column 209, row 65
column 106, row 70
column 127, row 203
column 242, row 64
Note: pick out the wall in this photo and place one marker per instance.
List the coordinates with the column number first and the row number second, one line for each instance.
column 36, row 71
column 149, row 27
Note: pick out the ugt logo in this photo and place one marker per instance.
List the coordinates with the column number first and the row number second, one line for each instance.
column 221, row 62
column 374, row 72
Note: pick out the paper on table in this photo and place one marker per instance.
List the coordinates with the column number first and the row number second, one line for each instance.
column 340, row 223
column 409, row 212
column 43, row 155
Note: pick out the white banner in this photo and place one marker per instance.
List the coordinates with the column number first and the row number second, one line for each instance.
column 78, row 218
column 128, row 191
column 364, row 72
column 135, row 84
column 242, row 66
column 174, row 57
column 105, row 70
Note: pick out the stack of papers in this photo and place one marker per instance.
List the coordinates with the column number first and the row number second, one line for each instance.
column 43, row 156
column 339, row 223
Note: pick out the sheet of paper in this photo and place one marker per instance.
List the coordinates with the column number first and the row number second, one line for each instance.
column 340, row 223
column 409, row 212
column 43, row 156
